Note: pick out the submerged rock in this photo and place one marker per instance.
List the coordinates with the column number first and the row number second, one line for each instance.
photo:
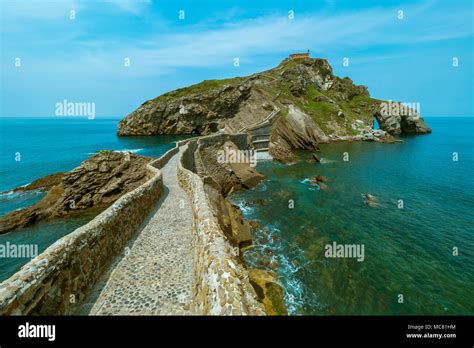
column 319, row 181
column 255, row 224
column 369, row 197
column 258, row 201
column 319, row 178
column 370, row 200
column 323, row 186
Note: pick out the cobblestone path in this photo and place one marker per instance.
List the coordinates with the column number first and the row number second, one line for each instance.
column 155, row 276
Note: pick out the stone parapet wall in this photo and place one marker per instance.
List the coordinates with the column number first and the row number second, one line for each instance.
column 161, row 162
column 59, row 279
column 238, row 139
column 223, row 286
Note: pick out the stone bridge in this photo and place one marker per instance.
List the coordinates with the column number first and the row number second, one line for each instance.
column 158, row 250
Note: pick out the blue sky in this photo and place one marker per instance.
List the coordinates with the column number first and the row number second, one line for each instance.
column 82, row 60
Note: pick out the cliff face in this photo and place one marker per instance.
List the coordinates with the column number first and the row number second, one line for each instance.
column 201, row 108
column 315, row 106
column 402, row 122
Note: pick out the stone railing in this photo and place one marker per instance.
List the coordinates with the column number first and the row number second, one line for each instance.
column 223, row 286
column 58, row 280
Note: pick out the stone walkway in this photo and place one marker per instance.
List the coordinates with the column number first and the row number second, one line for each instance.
column 155, row 276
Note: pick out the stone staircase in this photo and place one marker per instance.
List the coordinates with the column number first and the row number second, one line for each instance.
column 260, row 141
column 260, row 132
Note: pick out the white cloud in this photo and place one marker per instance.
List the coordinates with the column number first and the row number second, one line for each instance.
column 200, row 47
column 133, row 6
column 54, row 9
column 37, row 10
column 84, row 58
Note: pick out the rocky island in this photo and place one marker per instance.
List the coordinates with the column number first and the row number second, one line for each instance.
column 296, row 105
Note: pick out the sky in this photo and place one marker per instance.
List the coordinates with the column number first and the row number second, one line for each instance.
column 408, row 51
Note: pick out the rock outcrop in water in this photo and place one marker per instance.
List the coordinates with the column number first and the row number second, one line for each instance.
column 43, row 184
column 406, row 122
column 268, row 291
column 313, row 105
column 95, row 184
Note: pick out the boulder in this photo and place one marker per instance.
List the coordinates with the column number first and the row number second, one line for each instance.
column 269, row 292
column 248, row 176
column 318, row 179
column 394, row 118
column 229, row 177
column 239, row 227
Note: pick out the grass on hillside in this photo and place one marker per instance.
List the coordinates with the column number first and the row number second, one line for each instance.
column 201, row 87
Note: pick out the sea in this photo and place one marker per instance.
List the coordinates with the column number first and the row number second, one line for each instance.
column 32, row 147
column 417, row 237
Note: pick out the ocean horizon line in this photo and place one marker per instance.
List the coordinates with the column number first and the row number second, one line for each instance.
column 122, row 116
column 67, row 117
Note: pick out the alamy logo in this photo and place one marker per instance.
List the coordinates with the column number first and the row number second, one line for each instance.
column 399, row 109
column 335, row 250
column 229, row 155
column 37, row 331
column 67, row 108
column 12, row 250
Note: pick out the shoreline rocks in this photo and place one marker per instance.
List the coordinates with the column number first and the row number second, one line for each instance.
column 368, row 134
column 269, row 292
column 238, row 227
column 94, row 185
column 44, row 184
column 403, row 121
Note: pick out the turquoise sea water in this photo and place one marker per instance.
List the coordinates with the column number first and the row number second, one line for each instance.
column 49, row 145
column 407, row 251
